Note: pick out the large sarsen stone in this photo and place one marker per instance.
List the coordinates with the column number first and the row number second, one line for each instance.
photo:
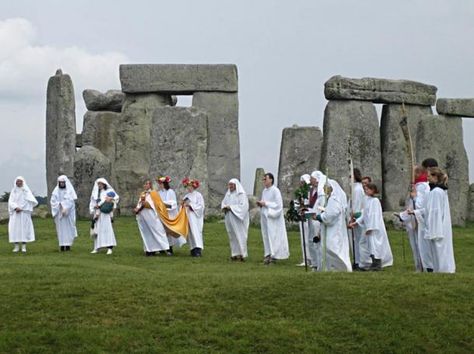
column 95, row 100
column 462, row 107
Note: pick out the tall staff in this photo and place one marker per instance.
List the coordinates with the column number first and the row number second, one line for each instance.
column 411, row 162
column 351, row 202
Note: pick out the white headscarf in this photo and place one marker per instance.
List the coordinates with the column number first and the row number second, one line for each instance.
column 321, row 178
column 95, row 191
column 338, row 193
column 69, row 187
column 238, row 186
column 305, row 178
column 19, row 194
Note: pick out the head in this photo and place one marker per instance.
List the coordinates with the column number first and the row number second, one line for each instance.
column 19, row 182
column 371, row 189
column 163, row 182
column 314, row 180
column 366, row 180
column 428, row 163
column 305, row 180
column 102, row 186
column 268, row 180
column 357, row 175
column 232, row 187
column 190, row 184
column 437, row 176
column 147, row 185
column 61, row 182
column 418, row 171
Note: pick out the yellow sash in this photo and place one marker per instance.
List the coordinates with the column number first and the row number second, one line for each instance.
column 178, row 226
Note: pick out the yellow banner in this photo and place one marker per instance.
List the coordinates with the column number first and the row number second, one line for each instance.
column 178, row 226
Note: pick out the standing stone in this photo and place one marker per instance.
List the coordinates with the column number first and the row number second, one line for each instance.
column 357, row 121
column 100, row 130
column 133, row 146
column 179, row 146
column 178, row 79
column 258, row 183
column 300, row 153
column 471, row 202
column 89, row 164
column 380, row 90
column 60, row 128
column 223, row 141
column 395, row 165
column 441, row 137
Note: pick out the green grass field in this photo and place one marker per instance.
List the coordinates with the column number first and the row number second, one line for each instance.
column 55, row 302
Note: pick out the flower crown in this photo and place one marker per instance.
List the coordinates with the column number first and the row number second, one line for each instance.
column 190, row 182
column 164, row 179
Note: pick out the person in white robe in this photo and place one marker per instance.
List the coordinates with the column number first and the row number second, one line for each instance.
column 275, row 239
column 435, row 216
column 193, row 201
column 334, row 239
column 306, row 243
column 103, row 232
column 356, row 209
column 151, row 228
column 63, row 209
column 373, row 225
column 20, row 207
column 420, row 247
column 168, row 196
column 235, row 206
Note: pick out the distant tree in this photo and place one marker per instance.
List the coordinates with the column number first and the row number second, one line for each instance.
column 5, row 196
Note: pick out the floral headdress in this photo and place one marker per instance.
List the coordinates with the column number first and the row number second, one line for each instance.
column 164, row 179
column 190, row 182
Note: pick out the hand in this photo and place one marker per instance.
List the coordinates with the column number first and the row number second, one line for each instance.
column 352, row 225
column 136, row 210
column 261, row 203
column 410, row 212
column 368, row 233
column 17, row 210
column 319, row 218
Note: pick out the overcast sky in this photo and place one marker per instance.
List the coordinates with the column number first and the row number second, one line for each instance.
column 284, row 50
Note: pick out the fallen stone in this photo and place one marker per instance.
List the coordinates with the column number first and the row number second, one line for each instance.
column 441, row 137
column 395, row 165
column 357, row 122
column 178, row 78
column 60, row 128
column 380, row 90
column 89, row 164
column 462, row 107
column 95, row 100
column 300, row 153
column 179, row 147
column 223, row 159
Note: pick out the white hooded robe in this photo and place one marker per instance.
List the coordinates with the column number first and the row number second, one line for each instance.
column 20, row 225
column 63, row 210
column 195, row 213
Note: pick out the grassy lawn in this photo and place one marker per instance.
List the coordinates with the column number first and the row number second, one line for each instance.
column 79, row 302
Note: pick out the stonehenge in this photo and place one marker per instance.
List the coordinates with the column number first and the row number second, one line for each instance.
column 138, row 132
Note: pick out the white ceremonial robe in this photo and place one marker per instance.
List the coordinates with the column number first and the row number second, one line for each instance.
column 379, row 246
column 275, row 239
column 237, row 222
column 334, row 240
column 63, row 210
column 20, row 225
column 103, row 225
column 436, row 218
column 358, row 203
column 151, row 228
column 169, row 197
column 195, row 219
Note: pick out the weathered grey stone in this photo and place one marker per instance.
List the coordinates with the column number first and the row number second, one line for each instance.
column 462, row 107
column 223, row 141
column 380, row 90
column 300, row 153
column 357, row 121
column 390, row 219
column 258, row 183
column 179, row 146
column 252, row 201
column 178, row 78
column 100, row 130
column 441, row 137
column 471, row 202
column 4, row 216
column 133, row 146
column 254, row 216
column 78, row 140
column 89, row 164
column 60, row 128
column 95, row 100
column 395, row 165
